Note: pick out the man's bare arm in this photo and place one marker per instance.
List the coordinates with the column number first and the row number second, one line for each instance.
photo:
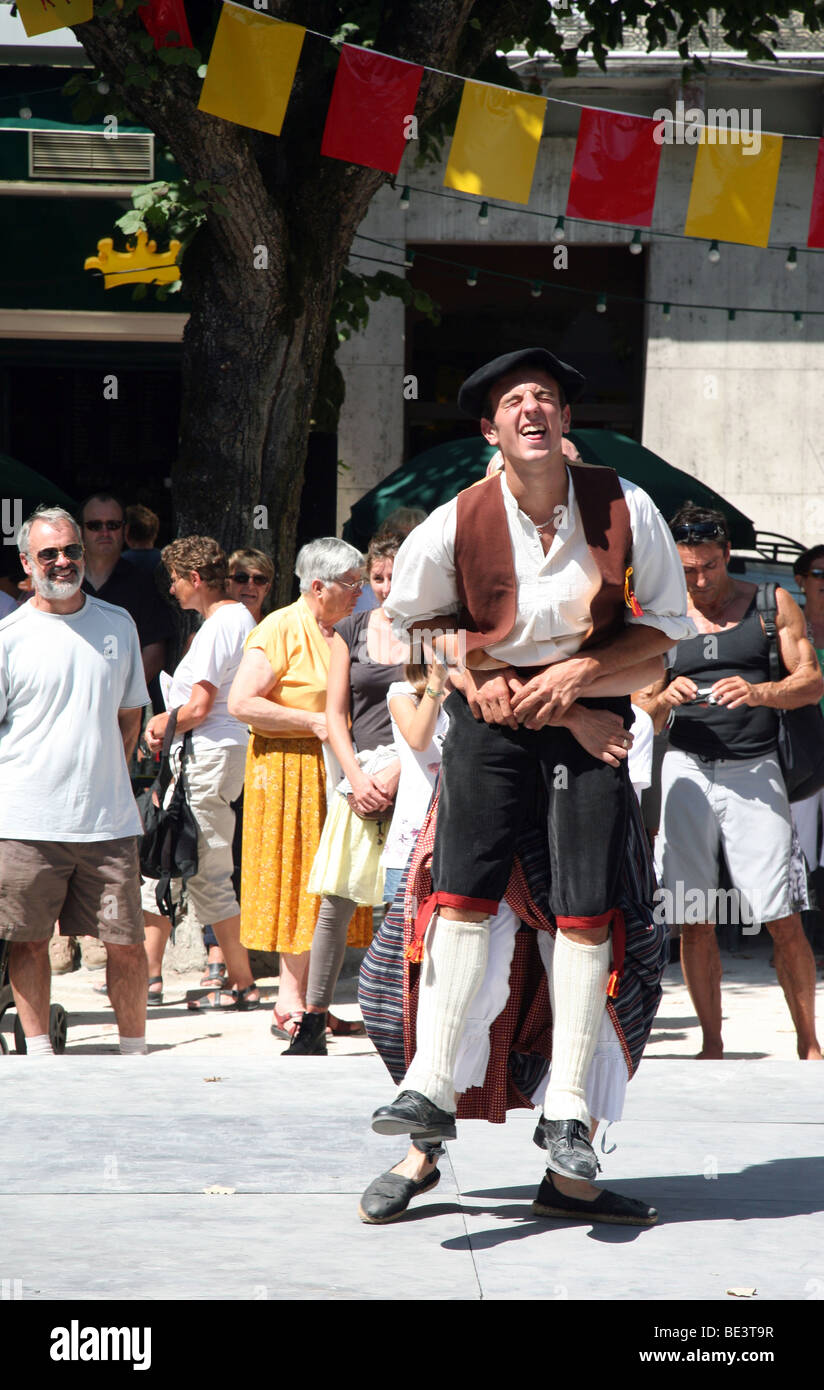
column 802, row 686
column 129, row 721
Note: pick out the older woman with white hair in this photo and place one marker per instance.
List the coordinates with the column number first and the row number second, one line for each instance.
column 280, row 692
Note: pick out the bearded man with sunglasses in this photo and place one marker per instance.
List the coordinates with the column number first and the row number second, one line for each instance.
column 721, row 785
column 71, row 696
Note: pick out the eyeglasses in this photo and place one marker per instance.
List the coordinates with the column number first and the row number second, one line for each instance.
column 50, row 554
column 699, row 531
column 103, row 525
column 345, row 584
column 241, row 577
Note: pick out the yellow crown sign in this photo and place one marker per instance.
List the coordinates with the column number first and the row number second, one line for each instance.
column 137, row 265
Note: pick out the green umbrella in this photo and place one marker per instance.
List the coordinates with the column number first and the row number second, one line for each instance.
column 436, row 475
column 21, row 490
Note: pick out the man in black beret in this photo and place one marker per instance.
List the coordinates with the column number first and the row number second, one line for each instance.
column 558, row 588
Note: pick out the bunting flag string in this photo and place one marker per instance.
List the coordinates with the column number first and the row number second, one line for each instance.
column 493, row 154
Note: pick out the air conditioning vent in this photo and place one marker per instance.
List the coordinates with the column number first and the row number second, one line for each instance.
column 91, row 156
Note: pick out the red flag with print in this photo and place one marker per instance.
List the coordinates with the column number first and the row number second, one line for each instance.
column 816, row 233
column 165, row 17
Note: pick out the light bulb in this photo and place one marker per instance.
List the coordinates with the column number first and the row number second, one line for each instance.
column 666, row 312
column 559, row 230
column 483, row 215
column 714, row 254
column 636, row 245
column 404, row 198
column 601, row 304
column 798, row 320
column 536, row 289
column 472, row 277
column 791, row 262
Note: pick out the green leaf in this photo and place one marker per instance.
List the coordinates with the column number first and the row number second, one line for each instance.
column 140, row 291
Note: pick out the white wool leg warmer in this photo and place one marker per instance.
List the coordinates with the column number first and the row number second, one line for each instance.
column 454, row 963
column 579, row 980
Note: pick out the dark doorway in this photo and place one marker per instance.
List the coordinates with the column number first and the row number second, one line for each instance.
column 500, row 314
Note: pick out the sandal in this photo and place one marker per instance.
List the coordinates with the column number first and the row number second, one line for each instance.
column 156, row 996
column 344, row 1028
column 215, row 973
column 281, row 1027
column 211, row 1002
column 242, row 1001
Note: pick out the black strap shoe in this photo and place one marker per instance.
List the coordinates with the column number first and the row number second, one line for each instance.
column 567, row 1144
column 411, row 1113
column 388, row 1196
column 608, row 1206
column 310, row 1039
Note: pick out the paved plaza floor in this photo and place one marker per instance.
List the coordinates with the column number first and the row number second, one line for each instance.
column 215, row 1169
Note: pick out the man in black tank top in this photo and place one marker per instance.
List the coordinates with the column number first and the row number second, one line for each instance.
column 722, row 788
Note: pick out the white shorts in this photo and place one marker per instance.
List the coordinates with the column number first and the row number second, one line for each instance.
column 214, row 779
column 806, row 815
column 736, row 804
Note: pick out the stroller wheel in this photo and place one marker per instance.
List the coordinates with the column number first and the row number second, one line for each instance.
column 58, row 1027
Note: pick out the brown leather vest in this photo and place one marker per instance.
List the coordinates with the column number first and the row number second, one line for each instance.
column 485, row 568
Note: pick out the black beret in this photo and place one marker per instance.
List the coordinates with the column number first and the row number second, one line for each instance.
column 476, row 388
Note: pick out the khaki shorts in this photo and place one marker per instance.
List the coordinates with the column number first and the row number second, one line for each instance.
column 92, row 887
column 214, row 779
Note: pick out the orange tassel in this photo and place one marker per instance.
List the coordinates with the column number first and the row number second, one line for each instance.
column 613, row 984
column 629, row 596
column 414, row 950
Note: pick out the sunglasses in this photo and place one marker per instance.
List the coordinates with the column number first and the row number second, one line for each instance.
column 241, row 577
column 50, row 554
column 813, row 574
column 101, row 525
column 699, row 531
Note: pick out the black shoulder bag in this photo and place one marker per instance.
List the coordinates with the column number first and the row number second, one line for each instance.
column 800, row 731
column 169, row 846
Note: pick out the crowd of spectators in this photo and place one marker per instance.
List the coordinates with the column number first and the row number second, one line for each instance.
column 300, row 733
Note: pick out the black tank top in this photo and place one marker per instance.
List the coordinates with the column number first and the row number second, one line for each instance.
column 712, row 731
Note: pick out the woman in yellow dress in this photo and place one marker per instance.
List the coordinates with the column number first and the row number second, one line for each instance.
column 280, row 692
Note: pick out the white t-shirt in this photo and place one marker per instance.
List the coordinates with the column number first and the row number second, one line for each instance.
column 63, row 678
column 419, row 772
column 214, row 656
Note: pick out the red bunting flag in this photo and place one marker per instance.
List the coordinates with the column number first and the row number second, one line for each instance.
column 816, row 233
column 615, row 169
column 164, row 17
column 373, row 99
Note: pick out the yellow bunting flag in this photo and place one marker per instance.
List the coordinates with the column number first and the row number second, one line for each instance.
column 733, row 186
column 43, row 16
column 251, row 69
column 495, row 144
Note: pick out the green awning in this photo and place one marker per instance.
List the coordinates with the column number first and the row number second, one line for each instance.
column 436, row 475
column 19, row 482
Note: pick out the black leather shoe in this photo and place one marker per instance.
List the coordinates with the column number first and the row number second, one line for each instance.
column 568, row 1146
column 608, row 1206
column 310, row 1039
column 388, row 1196
column 413, row 1114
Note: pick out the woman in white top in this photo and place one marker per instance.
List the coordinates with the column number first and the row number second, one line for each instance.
column 214, row 770
column 419, row 725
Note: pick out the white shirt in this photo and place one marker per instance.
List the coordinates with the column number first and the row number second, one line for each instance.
column 639, row 760
column 214, row 656
column 419, row 772
column 554, row 591
column 63, row 678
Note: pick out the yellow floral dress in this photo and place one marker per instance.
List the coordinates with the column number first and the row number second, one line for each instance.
column 284, row 799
